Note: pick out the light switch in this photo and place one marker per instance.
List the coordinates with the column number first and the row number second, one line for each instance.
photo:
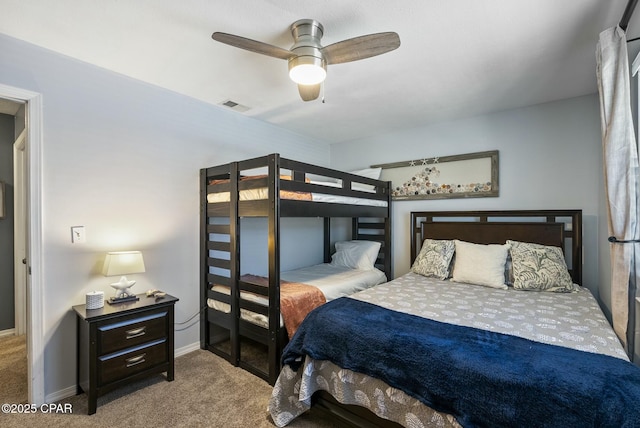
column 78, row 235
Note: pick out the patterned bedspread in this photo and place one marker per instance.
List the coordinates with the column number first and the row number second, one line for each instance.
column 572, row 320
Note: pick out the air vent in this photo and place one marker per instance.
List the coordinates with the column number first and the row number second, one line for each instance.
column 234, row 106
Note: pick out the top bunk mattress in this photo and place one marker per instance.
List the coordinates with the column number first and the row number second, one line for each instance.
column 263, row 193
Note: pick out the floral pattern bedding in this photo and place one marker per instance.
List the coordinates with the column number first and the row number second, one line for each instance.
column 572, row 320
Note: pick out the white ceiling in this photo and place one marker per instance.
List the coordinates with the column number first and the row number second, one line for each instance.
column 457, row 58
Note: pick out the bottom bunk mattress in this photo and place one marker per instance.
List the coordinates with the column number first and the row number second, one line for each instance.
column 564, row 322
column 333, row 281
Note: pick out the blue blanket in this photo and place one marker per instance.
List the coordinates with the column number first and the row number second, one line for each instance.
column 481, row 377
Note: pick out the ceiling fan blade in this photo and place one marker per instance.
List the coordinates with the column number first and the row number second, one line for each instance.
column 361, row 47
column 309, row 92
column 252, row 45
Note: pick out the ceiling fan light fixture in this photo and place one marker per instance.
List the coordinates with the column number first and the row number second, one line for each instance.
column 308, row 59
column 307, row 70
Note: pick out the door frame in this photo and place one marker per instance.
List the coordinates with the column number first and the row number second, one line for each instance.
column 35, row 289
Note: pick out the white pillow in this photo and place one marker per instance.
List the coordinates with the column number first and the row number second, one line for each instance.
column 480, row 264
column 368, row 172
column 313, row 178
column 360, row 255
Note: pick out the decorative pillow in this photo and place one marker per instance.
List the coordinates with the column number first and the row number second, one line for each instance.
column 434, row 258
column 540, row 267
column 480, row 264
column 360, row 255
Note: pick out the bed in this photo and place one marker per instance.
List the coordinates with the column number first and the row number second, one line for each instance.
column 537, row 352
column 242, row 313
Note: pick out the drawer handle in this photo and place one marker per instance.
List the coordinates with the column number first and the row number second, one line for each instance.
column 134, row 361
column 136, row 332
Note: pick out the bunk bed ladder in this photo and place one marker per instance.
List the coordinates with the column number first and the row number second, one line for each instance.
column 226, row 225
column 273, row 337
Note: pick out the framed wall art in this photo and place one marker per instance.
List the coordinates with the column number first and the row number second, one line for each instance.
column 470, row 175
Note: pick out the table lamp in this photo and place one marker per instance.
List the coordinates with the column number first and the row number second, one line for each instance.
column 123, row 263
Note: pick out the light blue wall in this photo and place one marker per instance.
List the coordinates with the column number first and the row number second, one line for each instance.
column 122, row 158
column 550, row 158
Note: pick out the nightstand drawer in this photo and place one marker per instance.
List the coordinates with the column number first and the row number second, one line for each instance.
column 131, row 332
column 119, row 365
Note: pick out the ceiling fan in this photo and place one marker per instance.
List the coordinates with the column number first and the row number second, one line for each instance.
column 308, row 59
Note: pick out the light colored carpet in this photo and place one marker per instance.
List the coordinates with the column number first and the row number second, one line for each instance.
column 13, row 369
column 207, row 392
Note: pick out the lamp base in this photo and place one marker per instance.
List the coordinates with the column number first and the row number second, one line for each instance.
column 117, row 300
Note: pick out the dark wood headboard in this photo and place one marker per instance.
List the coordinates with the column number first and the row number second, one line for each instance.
column 560, row 228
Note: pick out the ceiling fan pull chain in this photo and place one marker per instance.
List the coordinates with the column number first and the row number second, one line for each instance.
column 323, row 92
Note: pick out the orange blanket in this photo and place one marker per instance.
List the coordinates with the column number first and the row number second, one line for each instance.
column 296, row 300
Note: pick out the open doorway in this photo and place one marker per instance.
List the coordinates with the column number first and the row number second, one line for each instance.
column 13, row 279
column 28, row 153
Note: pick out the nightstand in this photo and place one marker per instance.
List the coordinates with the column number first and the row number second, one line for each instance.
column 121, row 343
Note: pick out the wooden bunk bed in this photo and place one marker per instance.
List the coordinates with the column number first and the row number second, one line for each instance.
column 283, row 188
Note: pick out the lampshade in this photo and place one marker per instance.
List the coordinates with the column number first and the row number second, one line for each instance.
column 307, row 70
column 123, row 263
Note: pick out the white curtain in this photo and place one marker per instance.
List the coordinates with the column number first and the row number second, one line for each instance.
column 620, row 169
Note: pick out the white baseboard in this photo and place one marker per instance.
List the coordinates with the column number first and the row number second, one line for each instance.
column 187, row 349
column 70, row 391
column 8, row 332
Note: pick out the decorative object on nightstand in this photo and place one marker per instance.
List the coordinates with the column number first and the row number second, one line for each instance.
column 123, row 263
column 95, row 300
column 159, row 295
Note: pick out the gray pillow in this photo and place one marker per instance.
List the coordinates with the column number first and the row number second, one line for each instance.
column 434, row 258
column 540, row 267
